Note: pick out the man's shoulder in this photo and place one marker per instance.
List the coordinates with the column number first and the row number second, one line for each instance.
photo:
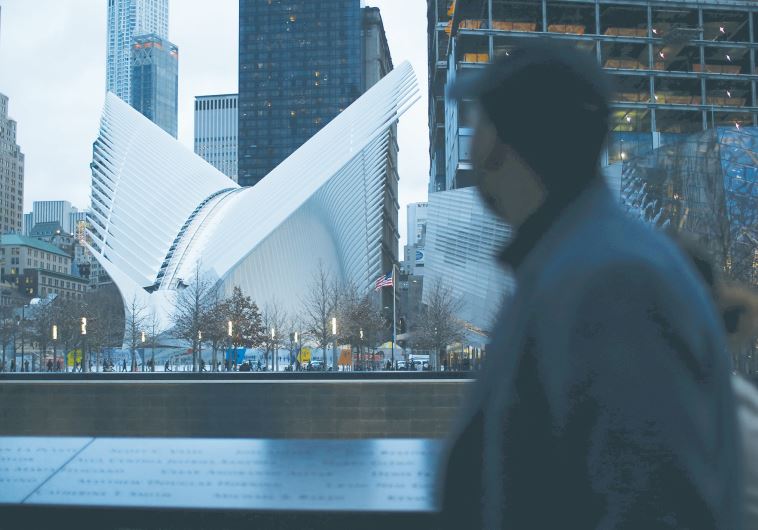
column 608, row 242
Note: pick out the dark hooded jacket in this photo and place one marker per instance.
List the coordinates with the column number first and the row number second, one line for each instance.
column 605, row 401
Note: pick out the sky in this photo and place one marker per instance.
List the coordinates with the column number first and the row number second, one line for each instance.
column 52, row 67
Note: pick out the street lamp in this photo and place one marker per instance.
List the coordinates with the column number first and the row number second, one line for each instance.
column 200, row 344
column 273, row 349
column 55, row 353
column 142, row 340
column 83, row 362
column 229, row 333
column 361, row 364
column 334, row 344
column 298, row 360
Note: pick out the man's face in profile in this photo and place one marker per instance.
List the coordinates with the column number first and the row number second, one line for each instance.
column 505, row 181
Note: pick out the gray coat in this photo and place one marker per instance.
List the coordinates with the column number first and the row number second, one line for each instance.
column 605, row 401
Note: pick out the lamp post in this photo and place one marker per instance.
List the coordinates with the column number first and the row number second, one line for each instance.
column 273, row 350
column 200, row 344
column 142, row 341
column 83, row 366
column 297, row 349
column 6, row 328
column 334, row 344
column 229, row 330
column 23, row 319
column 361, row 364
column 55, row 352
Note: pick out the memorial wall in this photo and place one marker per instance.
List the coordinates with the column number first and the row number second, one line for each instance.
column 240, row 407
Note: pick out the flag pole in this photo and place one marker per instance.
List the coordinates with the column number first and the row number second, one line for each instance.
column 394, row 316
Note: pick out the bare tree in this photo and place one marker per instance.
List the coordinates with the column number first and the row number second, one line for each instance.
column 7, row 328
column 190, row 310
column 439, row 326
column 274, row 321
column 360, row 320
column 318, row 309
column 68, row 315
column 154, row 329
column 41, row 325
column 105, row 322
column 214, row 324
column 135, row 320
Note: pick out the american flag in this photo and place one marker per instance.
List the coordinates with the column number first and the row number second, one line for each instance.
column 384, row 280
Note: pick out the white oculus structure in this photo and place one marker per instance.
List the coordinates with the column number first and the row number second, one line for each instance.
column 159, row 210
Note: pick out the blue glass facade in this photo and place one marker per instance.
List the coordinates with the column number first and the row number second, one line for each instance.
column 705, row 185
column 300, row 64
column 155, row 80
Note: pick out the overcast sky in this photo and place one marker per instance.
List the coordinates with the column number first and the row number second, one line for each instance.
column 52, row 67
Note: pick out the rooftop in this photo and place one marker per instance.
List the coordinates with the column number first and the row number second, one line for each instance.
column 47, row 229
column 15, row 239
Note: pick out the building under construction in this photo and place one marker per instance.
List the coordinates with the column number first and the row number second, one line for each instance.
column 679, row 67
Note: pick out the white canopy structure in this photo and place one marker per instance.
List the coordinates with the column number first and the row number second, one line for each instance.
column 159, row 210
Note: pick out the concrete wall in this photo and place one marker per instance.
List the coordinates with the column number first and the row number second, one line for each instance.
column 215, row 406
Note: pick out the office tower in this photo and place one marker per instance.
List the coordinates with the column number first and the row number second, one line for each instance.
column 216, row 132
column 53, row 212
column 128, row 19
column 155, row 80
column 299, row 67
column 28, row 224
column 11, row 174
column 679, row 67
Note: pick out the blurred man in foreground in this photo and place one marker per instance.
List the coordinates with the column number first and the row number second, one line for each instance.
column 606, row 400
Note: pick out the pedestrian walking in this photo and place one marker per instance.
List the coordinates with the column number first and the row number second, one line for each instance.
column 49, row 365
column 26, row 366
column 606, row 399
column 738, row 307
column 13, row 365
column 123, row 365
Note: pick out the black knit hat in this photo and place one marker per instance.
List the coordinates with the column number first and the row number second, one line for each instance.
column 549, row 101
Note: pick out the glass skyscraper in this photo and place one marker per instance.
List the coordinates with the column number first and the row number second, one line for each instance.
column 216, row 132
column 299, row 66
column 126, row 20
column 155, row 81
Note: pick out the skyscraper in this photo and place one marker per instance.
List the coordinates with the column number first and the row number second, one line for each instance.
column 216, row 132
column 678, row 67
column 299, row 66
column 301, row 63
column 128, row 19
column 155, row 80
column 11, row 174
column 53, row 212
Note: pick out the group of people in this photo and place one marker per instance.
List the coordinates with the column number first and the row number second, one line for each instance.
column 608, row 399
